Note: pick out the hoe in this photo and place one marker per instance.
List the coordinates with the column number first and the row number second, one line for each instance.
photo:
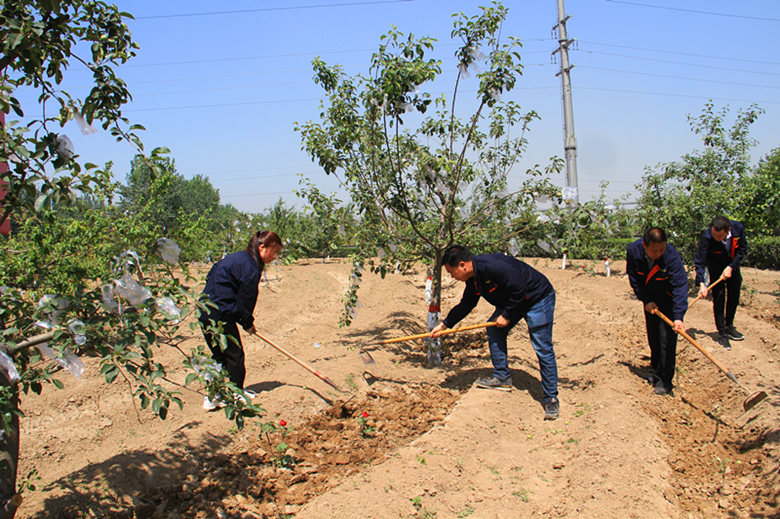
column 303, row 364
column 752, row 399
column 367, row 359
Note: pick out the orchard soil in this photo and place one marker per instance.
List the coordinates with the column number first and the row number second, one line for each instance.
column 414, row 441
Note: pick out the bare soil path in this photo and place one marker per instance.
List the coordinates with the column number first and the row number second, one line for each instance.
column 419, row 442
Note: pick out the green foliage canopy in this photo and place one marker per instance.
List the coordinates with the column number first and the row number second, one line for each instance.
column 684, row 196
column 419, row 176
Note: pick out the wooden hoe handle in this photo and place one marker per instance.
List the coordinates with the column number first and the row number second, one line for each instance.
column 699, row 347
column 708, row 288
column 303, row 364
column 443, row 332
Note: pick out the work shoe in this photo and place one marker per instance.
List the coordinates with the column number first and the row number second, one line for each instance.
column 733, row 334
column 552, row 408
column 661, row 388
column 211, row 405
column 495, row 383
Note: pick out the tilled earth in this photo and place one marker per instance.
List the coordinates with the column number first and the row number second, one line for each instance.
column 412, row 441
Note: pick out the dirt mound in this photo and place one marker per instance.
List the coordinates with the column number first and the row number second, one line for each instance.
column 418, row 442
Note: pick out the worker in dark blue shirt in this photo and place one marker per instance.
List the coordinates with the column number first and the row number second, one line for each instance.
column 518, row 291
column 721, row 249
column 657, row 276
column 231, row 287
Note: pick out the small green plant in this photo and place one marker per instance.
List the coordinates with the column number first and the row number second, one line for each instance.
column 421, row 459
column 27, row 483
column 350, row 379
column 283, row 460
column 269, row 427
column 417, row 502
column 750, row 294
column 581, row 409
column 365, row 429
column 466, row 512
column 522, row 494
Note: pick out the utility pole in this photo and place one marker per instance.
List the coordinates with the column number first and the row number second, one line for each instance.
column 569, row 142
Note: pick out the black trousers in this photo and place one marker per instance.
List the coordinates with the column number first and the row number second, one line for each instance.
column 725, row 298
column 663, row 346
column 232, row 357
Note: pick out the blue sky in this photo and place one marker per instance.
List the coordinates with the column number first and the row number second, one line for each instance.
column 222, row 83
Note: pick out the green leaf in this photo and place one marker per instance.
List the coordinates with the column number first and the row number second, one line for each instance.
column 41, row 201
column 111, row 374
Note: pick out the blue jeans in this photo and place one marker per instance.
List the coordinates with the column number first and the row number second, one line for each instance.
column 540, row 324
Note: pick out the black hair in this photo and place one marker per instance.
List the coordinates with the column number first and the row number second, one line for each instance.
column 720, row 223
column 455, row 254
column 654, row 235
column 266, row 238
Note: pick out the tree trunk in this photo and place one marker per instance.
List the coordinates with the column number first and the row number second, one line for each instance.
column 434, row 315
column 9, row 458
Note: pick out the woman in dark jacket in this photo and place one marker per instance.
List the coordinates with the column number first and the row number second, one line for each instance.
column 231, row 285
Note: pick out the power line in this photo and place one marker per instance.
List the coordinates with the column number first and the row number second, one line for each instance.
column 662, row 94
column 243, row 58
column 268, row 9
column 223, row 105
column 658, row 60
column 677, row 77
column 274, row 72
column 660, row 51
column 289, row 55
column 244, row 195
column 278, row 101
column 694, row 11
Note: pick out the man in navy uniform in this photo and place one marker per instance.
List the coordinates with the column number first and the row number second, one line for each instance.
column 657, row 276
column 518, row 291
column 721, row 249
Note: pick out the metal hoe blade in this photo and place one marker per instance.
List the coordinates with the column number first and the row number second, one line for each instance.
column 753, row 399
column 366, row 358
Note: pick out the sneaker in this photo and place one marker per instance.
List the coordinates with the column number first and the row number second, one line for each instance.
column 495, row 383
column 552, row 408
column 250, row 395
column 733, row 334
column 211, row 405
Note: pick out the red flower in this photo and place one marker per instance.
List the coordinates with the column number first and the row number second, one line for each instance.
column 282, row 423
column 365, row 414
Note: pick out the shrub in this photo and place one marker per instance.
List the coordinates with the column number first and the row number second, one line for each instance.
column 763, row 252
